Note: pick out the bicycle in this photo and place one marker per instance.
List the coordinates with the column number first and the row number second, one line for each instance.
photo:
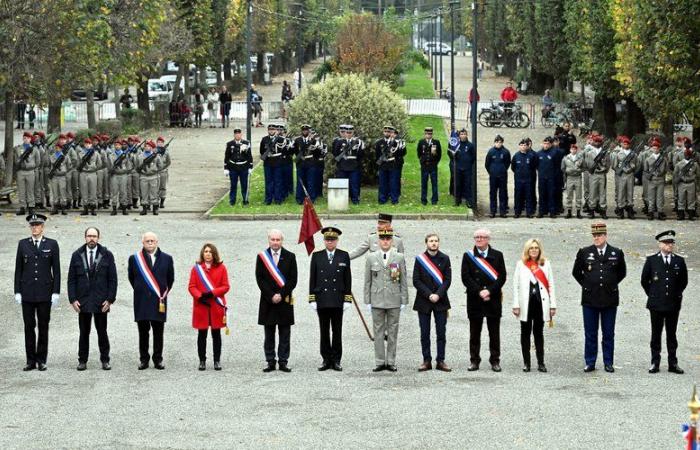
column 503, row 114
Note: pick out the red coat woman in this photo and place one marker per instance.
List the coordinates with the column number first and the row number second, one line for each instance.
column 206, row 310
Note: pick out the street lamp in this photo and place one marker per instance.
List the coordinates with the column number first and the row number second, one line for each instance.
column 440, row 38
column 435, row 85
column 249, row 71
column 453, row 5
column 474, row 98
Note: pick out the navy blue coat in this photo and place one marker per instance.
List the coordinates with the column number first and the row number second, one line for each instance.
column 524, row 166
column 92, row 288
column 497, row 161
column 145, row 301
column 330, row 284
column 425, row 284
column 547, row 166
column 464, row 155
column 37, row 271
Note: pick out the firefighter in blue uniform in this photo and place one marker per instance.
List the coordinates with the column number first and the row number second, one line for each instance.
column 524, row 165
column 348, row 153
column 547, row 169
column 497, row 164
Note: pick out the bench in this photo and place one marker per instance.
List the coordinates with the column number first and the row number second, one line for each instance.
column 5, row 194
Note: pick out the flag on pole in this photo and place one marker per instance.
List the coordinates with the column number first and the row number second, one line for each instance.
column 310, row 225
column 454, row 140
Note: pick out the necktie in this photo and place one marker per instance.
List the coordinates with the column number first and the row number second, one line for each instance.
column 385, row 256
column 330, row 258
column 667, row 260
column 600, row 253
column 276, row 257
column 36, row 244
column 92, row 260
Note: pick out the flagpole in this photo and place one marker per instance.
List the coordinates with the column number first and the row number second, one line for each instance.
column 362, row 318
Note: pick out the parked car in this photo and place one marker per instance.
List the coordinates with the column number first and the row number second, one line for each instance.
column 437, row 48
column 80, row 94
column 158, row 89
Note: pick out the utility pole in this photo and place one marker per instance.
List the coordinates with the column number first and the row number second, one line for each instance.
column 453, row 5
column 435, row 83
column 430, row 48
column 474, row 101
column 249, row 70
column 300, row 56
column 440, row 43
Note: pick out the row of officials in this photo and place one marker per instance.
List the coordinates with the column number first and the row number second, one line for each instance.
column 598, row 268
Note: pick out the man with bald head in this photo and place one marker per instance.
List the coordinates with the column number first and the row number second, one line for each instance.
column 151, row 274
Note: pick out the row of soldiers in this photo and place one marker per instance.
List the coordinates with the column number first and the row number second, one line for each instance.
column 97, row 172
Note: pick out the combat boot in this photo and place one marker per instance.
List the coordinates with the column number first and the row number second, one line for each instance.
column 85, row 211
column 155, row 210
column 681, row 214
column 124, row 211
column 144, row 210
column 619, row 212
column 630, row 212
column 650, row 216
column 48, row 202
column 30, row 211
column 114, row 211
column 578, row 214
column 568, row 214
column 64, row 207
column 586, row 209
column 92, row 210
column 162, row 203
column 691, row 214
column 134, row 203
column 54, row 211
column 21, row 212
column 603, row 213
column 645, row 208
column 591, row 213
column 39, row 206
column 662, row 216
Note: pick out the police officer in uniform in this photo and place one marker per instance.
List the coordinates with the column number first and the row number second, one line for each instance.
column 37, row 289
column 148, row 164
column 120, row 164
column 463, row 157
column 306, row 150
column 26, row 159
column 497, row 164
column 330, row 294
column 348, row 153
column 163, row 173
column 664, row 278
column 238, row 160
column 429, row 155
column 371, row 243
column 387, row 152
column 599, row 269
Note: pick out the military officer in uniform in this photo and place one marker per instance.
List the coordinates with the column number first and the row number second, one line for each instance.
column 120, row 164
column 598, row 180
column 624, row 165
column 599, row 269
column 148, row 164
column 572, row 167
column 74, row 176
column 164, row 154
column 371, row 243
column 686, row 172
column 547, row 169
column 429, row 154
column 37, row 289
column 664, row 278
column 306, row 151
column 87, row 163
column 348, row 153
column 59, row 165
column 272, row 153
column 26, row 159
column 134, row 177
column 655, row 167
column 102, row 189
column 330, row 294
column 387, row 152
column 386, row 296
column 238, row 161
column 463, row 157
column 497, row 164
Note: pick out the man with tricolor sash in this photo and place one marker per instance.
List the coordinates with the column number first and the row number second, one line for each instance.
column 151, row 274
column 432, row 276
column 484, row 274
column 276, row 275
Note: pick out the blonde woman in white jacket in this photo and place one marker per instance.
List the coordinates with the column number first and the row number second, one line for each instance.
column 534, row 300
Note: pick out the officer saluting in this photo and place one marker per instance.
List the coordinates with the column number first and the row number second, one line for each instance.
column 37, row 288
column 371, row 243
column 664, row 278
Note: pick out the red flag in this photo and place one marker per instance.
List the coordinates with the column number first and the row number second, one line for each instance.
column 310, row 224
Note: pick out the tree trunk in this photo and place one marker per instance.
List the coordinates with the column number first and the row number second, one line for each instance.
column 142, row 101
column 54, row 122
column 609, row 117
column 696, row 131
column 9, row 139
column 259, row 69
column 90, row 106
column 227, row 69
column 178, row 81
column 635, row 122
column 667, row 125
column 115, row 93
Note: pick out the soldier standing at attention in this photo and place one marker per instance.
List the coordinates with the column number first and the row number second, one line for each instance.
column 624, row 164
column 37, row 289
column 687, row 171
column 120, row 165
column 101, row 157
column 676, row 155
column 497, row 164
column 598, row 167
column 135, row 176
column 163, row 173
column 147, row 165
column 348, row 153
column 59, row 166
column 429, row 155
column 238, row 160
column 330, row 294
column 272, row 155
column 27, row 160
column 524, row 165
column 87, row 162
column 387, row 151
column 371, row 243
column 572, row 166
column 655, row 167
column 39, row 172
column 74, row 176
column 546, row 182
column 305, row 151
column 463, row 165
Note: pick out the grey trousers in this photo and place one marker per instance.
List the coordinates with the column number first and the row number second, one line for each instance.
column 88, row 188
column 59, row 190
column 573, row 186
column 686, row 196
column 102, row 185
column 598, row 190
column 385, row 320
column 586, row 185
column 135, row 184
column 74, row 187
column 39, row 185
column 162, row 183
column 624, row 190
column 149, row 190
column 25, row 188
column 655, row 195
column 118, row 189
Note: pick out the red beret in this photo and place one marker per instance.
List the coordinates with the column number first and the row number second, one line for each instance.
column 27, row 134
column 87, row 141
column 70, row 135
column 160, row 139
column 624, row 140
column 131, row 139
column 150, row 143
column 655, row 143
column 597, row 138
column 62, row 136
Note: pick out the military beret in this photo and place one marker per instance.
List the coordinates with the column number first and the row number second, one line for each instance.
column 599, row 228
column 36, row 219
column 87, row 141
column 597, row 138
column 150, row 143
column 40, row 133
column 27, row 134
column 655, row 143
column 623, row 139
column 666, row 236
column 62, row 136
column 162, row 139
column 331, row 233
column 70, row 135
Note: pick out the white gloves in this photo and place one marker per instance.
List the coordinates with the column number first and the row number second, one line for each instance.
column 54, row 300
column 226, row 172
column 402, row 308
column 369, row 307
column 313, row 305
column 18, row 298
column 346, row 305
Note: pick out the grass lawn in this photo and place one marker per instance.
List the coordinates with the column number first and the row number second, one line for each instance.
column 417, row 84
column 410, row 188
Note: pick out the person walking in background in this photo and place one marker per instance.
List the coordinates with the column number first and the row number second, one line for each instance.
column 225, row 99
column 212, row 100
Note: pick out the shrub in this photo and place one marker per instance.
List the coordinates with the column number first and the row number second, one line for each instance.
column 113, row 127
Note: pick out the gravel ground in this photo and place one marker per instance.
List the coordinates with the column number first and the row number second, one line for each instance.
column 242, row 407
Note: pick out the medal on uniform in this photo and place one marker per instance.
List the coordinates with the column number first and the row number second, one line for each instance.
column 589, row 268
column 656, row 278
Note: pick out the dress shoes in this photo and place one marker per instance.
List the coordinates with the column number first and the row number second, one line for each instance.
column 473, row 367
column 541, row 368
column 159, row 365
column 106, row 366
column 427, row 365
column 526, row 368
column 271, row 367
column 655, row 368
column 325, row 366
column 202, row 365
column 41, row 367
column 391, row 368
column 217, row 365
column 284, row 368
column 496, row 367
column 609, row 368
column 379, row 368
column 441, row 366
column 29, row 366
column 589, row 368
column 337, row 367
column 143, row 365
column 82, row 366
column 675, row 369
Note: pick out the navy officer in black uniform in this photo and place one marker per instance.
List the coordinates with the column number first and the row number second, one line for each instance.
column 330, row 294
column 37, row 288
column 599, row 269
column 664, row 278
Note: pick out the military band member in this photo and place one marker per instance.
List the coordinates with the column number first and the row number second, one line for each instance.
column 387, row 152
column 330, row 294
column 686, row 172
column 432, row 277
column 664, row 278
column 271, row 153
column 497, row 164
column 484, row 274
column 655, row 167
column 163, row 178
column 87, row 163
column 151, row 275
column 597, row 167
column 386, row 296
column 238, row 162
column 92, row 289
column 371, row 243
column 599, row 269
column 74, row 176
column 624, row 165
column 276, row 275
column 306, row 150
column 59, row 167
column 348, row 153
column 37, row 289
column 572, row 167
column 147, row 165
column 429, row 154
column 120, row 165
column 26, row 159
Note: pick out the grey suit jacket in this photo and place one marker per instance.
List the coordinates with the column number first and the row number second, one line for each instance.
column 381, row 291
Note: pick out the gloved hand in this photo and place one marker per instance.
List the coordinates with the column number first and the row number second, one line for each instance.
column 402, row 308
column 226, row 172
column 208, row 295
column 54, row 300
column 369, row 307
column 204, row 300
column 313, row 305
column 346, row 305
column 18, row 298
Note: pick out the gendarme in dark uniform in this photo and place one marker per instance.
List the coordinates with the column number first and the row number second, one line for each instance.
column 664, row 278
column 37, row 288
column 330, row 293
column 238, row 160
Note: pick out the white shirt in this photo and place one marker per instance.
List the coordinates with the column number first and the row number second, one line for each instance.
column 329, row 254
column 605, row 247
column 483, row 253
column 666, row 258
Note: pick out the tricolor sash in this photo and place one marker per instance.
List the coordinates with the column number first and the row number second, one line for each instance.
column 204, row 278
column 431, row 268
column 272, row 268
column 538, row 273
column 482, row 264
column 150, row 280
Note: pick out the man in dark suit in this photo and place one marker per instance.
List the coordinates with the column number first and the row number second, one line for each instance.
column 484, row 274
column 37, row 288
column 599, row 269
column 664, row 278
column 432, row 276
column 92, row 288
column 330, row 293
column 276, row 275
column 151, row 274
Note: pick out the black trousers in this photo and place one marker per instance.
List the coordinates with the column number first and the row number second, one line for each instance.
column 145, row 327
column 85, row 324
column 202, row 344
column 658, row 320
column 331, row 320
column 36, row 315
column 533, row 325
column 282, row 354
column 494, row 326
